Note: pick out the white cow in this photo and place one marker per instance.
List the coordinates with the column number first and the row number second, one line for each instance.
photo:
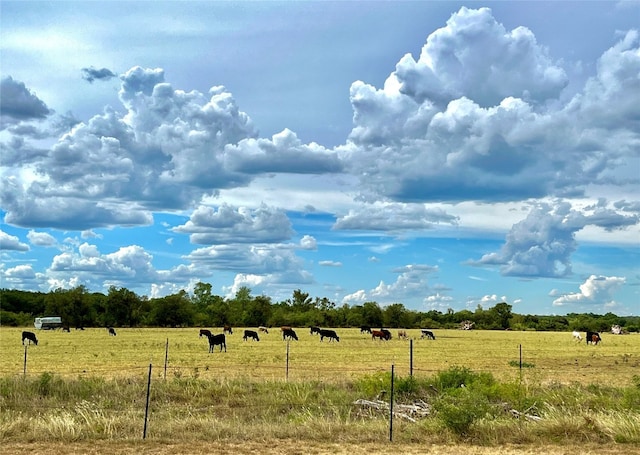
column 576, row 335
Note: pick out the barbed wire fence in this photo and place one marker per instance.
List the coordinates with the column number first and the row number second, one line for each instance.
column 282, row 371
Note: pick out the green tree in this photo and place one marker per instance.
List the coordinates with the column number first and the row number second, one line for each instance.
column 501, row 315
column 173, row 310
column 123, row 308
column 372, row 314
column 396, row 315
column 70, row 305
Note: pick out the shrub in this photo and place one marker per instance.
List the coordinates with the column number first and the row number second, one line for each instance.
column 456, row 377
column 458, row 410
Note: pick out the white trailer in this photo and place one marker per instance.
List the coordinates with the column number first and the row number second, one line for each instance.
column 52, row 322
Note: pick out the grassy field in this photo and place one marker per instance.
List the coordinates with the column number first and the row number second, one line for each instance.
column 84, row 392
column 550, row 356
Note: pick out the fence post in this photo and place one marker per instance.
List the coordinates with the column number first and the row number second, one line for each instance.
column 24, row 371
column 286, row 374
column 520, row 361
column 391, row 407
column 411, row 357
column 146, row 409
column 166, row 359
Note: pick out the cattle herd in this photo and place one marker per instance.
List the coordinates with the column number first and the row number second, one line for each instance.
column 288, row 333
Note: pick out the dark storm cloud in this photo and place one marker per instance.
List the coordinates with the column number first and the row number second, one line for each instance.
column 18, row 103
column 91, row 74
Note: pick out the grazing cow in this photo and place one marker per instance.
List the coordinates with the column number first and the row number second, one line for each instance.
column 428, row 334
column 315, row 329
column 382, row 335
column 331, row 334
column 593, row 338
column 66, row 329
column 576, row 336
column 402, row 334
column 79, row 328
column 217, row 340
column 250, row 334
column 112, row 331
column 365, row 329
column 29, row 336
column 204, row 333
column 227, row 329
column 263, row 329
column 288, row 332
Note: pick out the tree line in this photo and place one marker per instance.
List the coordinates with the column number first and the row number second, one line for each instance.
column 121, row 307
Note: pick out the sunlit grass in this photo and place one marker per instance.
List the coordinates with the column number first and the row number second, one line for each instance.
column 550, row 356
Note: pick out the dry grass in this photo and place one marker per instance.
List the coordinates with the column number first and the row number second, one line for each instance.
column 556, row 358
column 239, row 401
column 294, row 447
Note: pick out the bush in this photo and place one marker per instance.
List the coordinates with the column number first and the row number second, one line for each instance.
column 458, row 410
column 456, row 377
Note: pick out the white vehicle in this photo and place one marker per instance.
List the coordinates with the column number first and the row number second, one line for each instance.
column 53, row 322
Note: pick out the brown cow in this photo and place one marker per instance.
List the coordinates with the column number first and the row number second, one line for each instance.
column 381, row 334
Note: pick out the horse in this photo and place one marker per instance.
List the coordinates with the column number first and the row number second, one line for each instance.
column 29, row 336
column 217, row 340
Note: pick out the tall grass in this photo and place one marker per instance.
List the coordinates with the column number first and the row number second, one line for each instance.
column 465, row 406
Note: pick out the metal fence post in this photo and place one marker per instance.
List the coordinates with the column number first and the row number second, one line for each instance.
column 411, row 357
column 391, row 407
column 146, row 410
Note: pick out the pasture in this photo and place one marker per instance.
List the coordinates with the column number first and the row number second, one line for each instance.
column 548, row 356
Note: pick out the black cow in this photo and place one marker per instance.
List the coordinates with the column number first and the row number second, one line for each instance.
column 217, row 340
column 29, row 336
column 79, row 328
column 315, row 329
column 250, row 334
column 428, row 334
column 204, row 333
column 331, row 334
column 263, row 329
column 288, row 332
column 365, row 329
column 593, row 337
column 227, row 329
column 112, row 331
column 66, row 329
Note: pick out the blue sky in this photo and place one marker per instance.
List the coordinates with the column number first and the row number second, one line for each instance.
column 436, row 154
